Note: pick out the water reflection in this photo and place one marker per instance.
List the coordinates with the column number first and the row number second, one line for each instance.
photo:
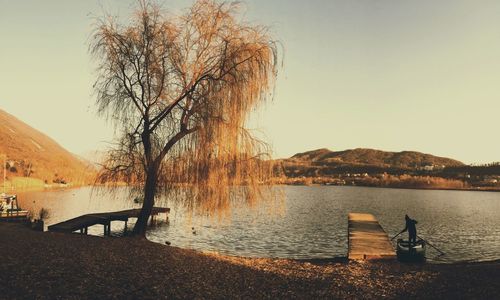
column 465, row 225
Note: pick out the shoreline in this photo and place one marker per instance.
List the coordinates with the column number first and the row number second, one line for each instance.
column 47, row 188
column 399, row 188
column 344, row 259
column 94, row 267
column 335, row 259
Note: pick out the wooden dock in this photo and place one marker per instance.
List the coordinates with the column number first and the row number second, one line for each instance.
column 82, row 223
column 367, row 239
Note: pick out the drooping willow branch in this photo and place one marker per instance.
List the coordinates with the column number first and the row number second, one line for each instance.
column 179, row 90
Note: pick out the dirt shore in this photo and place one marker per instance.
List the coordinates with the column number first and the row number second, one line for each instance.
column 64, row 266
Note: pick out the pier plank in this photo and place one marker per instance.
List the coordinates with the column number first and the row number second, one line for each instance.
column 367, row 239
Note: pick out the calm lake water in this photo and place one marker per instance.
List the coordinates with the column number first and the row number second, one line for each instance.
column 310, row 223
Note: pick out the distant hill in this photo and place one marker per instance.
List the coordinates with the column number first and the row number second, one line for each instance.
column 324, row 162
column 371, row 157
column 33, row 154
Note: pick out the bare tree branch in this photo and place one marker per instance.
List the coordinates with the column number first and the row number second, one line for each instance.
column 179, row 91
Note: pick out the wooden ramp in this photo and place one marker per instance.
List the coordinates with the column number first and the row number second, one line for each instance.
column 83, row 222
column 367, row 239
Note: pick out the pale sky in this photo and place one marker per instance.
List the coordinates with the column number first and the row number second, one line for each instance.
column 390, row 75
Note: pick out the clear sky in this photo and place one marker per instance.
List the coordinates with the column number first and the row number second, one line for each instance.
column 391, row 75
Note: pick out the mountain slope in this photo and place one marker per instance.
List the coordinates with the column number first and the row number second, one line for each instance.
column 31, row 153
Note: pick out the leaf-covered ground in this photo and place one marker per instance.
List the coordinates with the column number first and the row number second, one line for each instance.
column 63, row 266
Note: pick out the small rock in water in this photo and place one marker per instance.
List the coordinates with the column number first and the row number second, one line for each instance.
column 167, row 242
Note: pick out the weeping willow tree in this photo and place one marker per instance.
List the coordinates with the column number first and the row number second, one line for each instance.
column 179, row 90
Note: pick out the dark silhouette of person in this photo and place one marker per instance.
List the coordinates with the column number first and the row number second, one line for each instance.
column 412, row 231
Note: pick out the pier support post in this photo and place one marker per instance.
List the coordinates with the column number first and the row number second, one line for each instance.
column 107, row 229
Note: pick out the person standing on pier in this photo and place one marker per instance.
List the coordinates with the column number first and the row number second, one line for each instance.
column 412, row 231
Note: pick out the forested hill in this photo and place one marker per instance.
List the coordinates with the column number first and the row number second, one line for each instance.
column 323, row 162
column 371, row 157
column 369, row 167
column 30, row 153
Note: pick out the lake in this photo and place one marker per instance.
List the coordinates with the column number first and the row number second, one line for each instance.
column 311, row 222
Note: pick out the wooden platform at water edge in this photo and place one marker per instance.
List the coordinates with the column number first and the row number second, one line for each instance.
column 82, row 223
column 367, row 239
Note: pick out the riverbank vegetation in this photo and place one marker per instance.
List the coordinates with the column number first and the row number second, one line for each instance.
column 379, row 180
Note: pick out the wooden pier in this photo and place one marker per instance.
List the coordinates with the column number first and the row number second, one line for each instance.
column 82, row 223
column 367, row 239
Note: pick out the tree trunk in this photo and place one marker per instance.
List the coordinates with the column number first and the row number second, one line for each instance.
column 147, row 206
